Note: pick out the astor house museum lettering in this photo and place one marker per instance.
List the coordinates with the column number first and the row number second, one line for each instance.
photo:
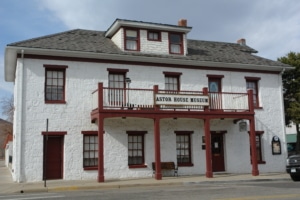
column 173, row 99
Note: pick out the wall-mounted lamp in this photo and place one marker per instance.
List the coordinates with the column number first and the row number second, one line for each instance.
column 243, row 126
column 128, row 80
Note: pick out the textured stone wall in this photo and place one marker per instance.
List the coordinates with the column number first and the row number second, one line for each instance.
column 74, row 117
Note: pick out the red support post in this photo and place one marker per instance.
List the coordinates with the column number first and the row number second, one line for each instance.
column 158, row 175
column 255, row 171
column 100, row 149
column 209, row 173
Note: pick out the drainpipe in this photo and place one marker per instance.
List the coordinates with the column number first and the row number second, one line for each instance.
column 282, row 106
column 19, row 117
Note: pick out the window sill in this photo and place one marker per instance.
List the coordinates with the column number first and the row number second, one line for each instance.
column 258, row 108
column 55, row 102
column 137, row 166
column 186, row 165
column 90, row 168
column 261, row 162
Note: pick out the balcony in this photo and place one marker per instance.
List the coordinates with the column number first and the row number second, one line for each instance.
column 134, row 99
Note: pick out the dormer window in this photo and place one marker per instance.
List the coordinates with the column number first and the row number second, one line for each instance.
column 154, row 36
column 131, row 40
column 175, row 43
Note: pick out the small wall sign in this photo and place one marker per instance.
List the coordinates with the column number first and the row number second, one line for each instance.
column 276, row 146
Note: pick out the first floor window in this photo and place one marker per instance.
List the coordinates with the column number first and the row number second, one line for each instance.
column 259, row 147
column 90, row 149
column 183, row 148
column 136, row 148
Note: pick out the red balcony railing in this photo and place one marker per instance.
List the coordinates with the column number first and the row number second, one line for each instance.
column 141, row 99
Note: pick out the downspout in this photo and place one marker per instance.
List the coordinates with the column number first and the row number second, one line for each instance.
column 20, row 117
column 283, row 109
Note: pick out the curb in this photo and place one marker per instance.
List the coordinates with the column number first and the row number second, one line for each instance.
column 121, row 186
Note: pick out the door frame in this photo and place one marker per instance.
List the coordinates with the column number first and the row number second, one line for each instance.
column 49, row 135
column 218, row 161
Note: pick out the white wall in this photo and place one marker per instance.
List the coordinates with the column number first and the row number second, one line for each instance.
column 74, row 117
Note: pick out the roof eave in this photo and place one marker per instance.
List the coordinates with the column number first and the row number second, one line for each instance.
column 10, row 63
column 11, row 59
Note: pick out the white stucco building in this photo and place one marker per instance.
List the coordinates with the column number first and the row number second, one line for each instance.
column 138, row 93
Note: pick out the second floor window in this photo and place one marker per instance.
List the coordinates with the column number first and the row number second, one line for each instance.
column 116, row 83
column 252, row 83
column 172, row 81
column 176, row 43
column 154, row 36
column 131, row 40
column 55, row 84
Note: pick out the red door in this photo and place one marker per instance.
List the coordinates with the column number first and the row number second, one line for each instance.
column 53, row 157
column 217, row 149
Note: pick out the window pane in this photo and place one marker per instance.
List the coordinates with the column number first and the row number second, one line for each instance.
column 131, row 34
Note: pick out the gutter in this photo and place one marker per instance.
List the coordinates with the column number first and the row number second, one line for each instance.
column 20, row 117
column 11, row 55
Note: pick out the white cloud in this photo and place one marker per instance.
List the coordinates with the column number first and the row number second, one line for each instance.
column 271, row 27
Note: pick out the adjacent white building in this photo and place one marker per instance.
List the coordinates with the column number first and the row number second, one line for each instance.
column 106, row 104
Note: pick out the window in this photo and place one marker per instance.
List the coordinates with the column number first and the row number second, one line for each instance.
column 175, row 43
column 131, row 40
column 90, row 149
column 55, row 83
column 154, row 36
column 252, row 83
column 183, row 148
column 117, row 85
column 259, row 146
column 136, row 149
column 172, row 81
column 215, row 89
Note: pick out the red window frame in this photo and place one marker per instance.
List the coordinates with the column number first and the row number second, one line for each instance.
column 55, row 84
column 183, row 148
column 252, row 83
column 215, row 100
column 90, row 150
column 152, row 33
column 258, row 135
column 179, row 43
column 136, row 145
column 117, row 85
column 136, row 39
column 172, row 81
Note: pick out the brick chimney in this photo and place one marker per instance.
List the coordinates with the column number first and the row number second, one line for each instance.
column 242, row 42
column 182, row 22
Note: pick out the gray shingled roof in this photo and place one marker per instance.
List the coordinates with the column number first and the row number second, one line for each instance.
column 95, row 42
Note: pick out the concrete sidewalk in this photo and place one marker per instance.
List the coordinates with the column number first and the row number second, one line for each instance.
column 8, row 186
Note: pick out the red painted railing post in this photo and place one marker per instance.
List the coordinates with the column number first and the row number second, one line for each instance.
column 250, row 100
column 205, row 92
column 155, row 91
column 100, row 96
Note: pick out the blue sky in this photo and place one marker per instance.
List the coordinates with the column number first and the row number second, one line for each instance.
column 271, row 27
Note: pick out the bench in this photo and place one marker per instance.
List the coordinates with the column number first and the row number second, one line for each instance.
column 166, row 166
